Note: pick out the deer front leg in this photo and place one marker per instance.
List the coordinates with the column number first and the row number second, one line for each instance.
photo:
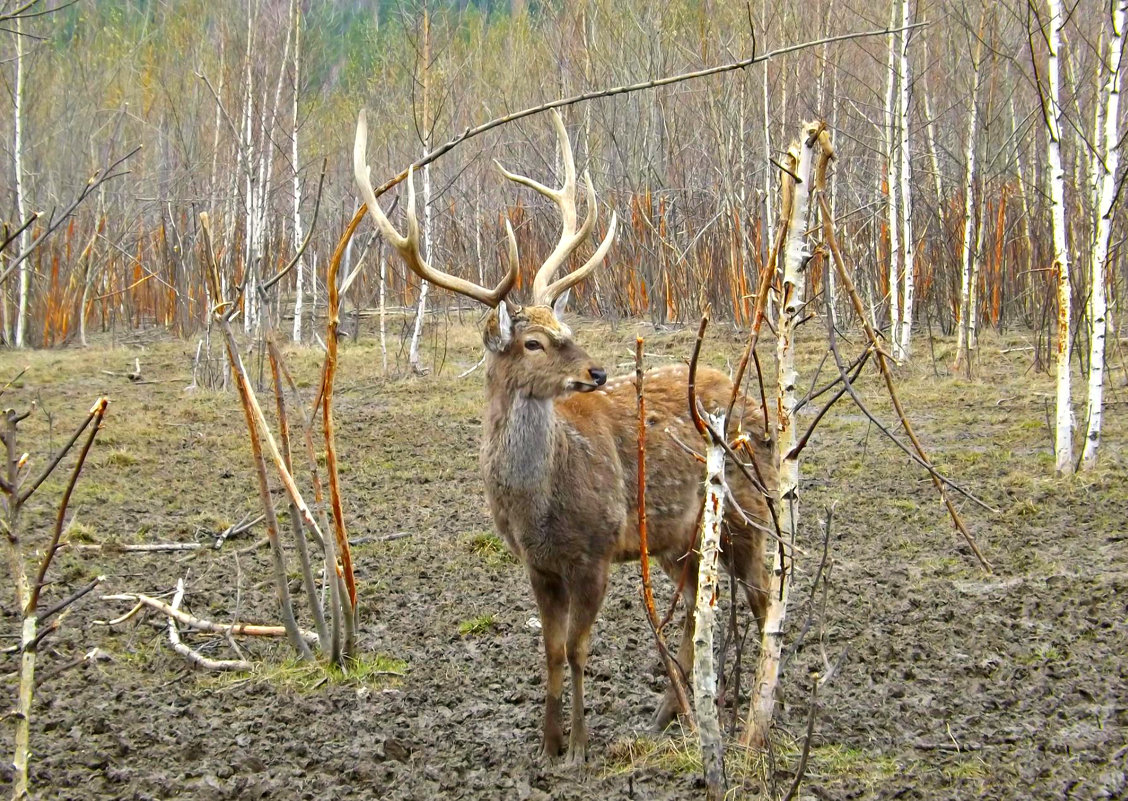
column 586, row 595
column 552, row 602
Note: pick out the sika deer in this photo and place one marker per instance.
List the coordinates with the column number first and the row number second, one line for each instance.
column 559, row 456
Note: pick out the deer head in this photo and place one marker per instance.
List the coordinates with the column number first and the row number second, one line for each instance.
column 534, row 353
column 530, row 345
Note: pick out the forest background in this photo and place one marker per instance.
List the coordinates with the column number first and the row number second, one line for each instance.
column 237, row 105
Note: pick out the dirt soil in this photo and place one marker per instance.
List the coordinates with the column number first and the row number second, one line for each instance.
column 954, row 683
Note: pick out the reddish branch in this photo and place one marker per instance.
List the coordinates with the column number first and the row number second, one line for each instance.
column 326, row 399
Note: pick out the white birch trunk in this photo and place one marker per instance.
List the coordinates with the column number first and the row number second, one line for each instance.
column 28, row 636
column 969, row 216
column 973, row 290
column 831, row 279
column 704, row 671
column 414, row 359
column 895, row 252
column 791, row 305
column 266, row 165
column 383, row 329
column 299, row 234
column 21, row 204
column 1108, row 166
column 1063, row 441
column 247, row 159
column 906, row 193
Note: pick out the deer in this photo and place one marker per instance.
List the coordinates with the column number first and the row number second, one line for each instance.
column 559, row 456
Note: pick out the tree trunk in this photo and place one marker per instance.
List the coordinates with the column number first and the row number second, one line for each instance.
column 895, row 252
column 964, row 317
column 21, row 204
column 299, row 279
column 414, row 359
column 906, row 192
column 795, row 208
column 704, row 671
column 1063, row 441
column 1107, row 195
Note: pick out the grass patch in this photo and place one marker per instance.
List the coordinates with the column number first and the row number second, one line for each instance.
column 680, row 753
column 120, row 457
column 836, row 761
column 1040, row 654
column 490, row 549
column 477, row 625
column 677, row 754
column 374, row 672
column 969, row 768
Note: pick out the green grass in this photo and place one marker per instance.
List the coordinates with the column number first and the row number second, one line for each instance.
column 368, row 670
column 839, row 761
column 477, row 625
column 490, row 549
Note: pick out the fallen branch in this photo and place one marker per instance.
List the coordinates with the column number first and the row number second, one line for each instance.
column 193, row 656
column 153, row 547
column 172, row 611
column 236, row 529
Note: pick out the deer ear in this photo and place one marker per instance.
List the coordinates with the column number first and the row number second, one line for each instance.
column 559, row 304
column 498, row 332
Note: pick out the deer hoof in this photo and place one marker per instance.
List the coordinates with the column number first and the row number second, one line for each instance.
column 550, row 749
column 667, row 712
column 577, row 754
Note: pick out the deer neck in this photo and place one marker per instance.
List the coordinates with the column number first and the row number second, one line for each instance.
column 519, row 440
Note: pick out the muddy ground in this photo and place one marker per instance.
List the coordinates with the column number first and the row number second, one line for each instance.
column 954, row 684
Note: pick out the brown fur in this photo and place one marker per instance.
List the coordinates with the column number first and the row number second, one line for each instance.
column 560, row 469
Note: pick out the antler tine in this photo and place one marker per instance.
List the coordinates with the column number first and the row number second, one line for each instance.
column 557, row 288
column 565, row 199
column 514, row 260
column 408, row 246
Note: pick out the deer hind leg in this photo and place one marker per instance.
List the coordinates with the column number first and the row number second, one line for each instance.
column 676, row 569
column 586, row 598
column 552, row 602
column 745, row 558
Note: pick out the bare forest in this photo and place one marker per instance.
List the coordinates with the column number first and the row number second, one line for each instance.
column 269, row 562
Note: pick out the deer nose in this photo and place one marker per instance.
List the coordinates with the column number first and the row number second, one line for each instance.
column 598, row 376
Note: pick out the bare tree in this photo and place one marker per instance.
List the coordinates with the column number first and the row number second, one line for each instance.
column 1105, row 197
column 902, row 348
column 1053, row 113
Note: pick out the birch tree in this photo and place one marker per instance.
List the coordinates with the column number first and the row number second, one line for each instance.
column 1106, row 196
column 1063, row 440
column 965, row 312
column 299, row 280
column 796, row 204
column 895, row 252
column 704, row 671
column 902, row 351
column 414, row 359
column 21, row 204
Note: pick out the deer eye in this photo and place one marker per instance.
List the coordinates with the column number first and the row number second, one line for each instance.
column 533, row 344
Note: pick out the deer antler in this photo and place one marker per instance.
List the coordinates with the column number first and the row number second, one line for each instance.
column 544, row 292
column 408, row 246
